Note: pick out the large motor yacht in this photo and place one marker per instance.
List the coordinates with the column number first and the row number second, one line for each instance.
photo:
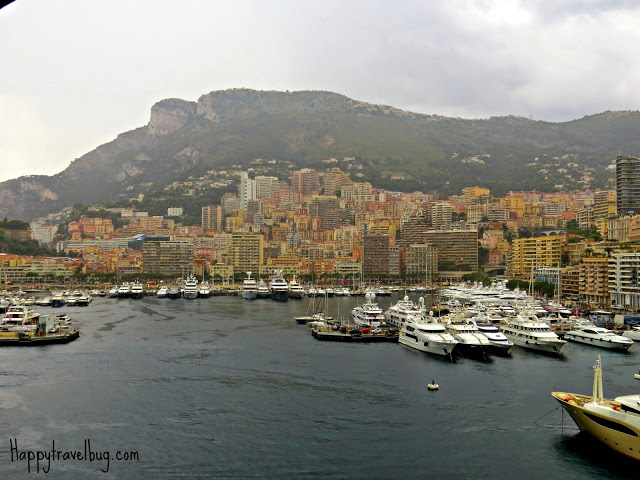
column 616, row 423
column 426, row 334
column 279, row 288
column 590, row 334
column 500, row 344
column 137, row 291
column 403, row 312
column 190, row 288
column 471, row 343
column 533, row 334
column 295, row 289
column 249, row 288
column 19, row 318
column 124, row 291
column 369, row 313
column 204, row 290
column 263, row 289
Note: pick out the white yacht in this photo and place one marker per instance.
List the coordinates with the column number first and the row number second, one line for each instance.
column 249, row 288
column 533, row 334
column 295, row 289
column 204, row 290
column 402, row 312
column 72, row 300
column 500, row 344
column 263, row 289
column 633, row 334
column 590, row 334
column 137, row 291
column 278, row 287
column 123, row 292
column 83, row 300
column 190, row 288
column 369, row 313
column 427, row 335
column 471, row 343
column 19, row 318
column 162, row 292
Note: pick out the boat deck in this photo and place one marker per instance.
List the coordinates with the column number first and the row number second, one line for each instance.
column 328, row 333
column 13, row 339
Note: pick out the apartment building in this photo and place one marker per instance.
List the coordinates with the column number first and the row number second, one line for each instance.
column 624, row 280
column 168, row 258
column 455, row 248
column 246, row 251
column 528, row 253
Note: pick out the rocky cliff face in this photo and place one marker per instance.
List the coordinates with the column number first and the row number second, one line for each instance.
column 170, row 115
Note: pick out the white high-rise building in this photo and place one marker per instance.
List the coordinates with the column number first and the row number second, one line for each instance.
column 247, row 191
column 263, row 185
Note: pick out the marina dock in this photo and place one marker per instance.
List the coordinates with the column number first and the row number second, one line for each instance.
column 328, row 333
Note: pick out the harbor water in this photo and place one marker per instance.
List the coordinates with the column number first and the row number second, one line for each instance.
column 230, row 388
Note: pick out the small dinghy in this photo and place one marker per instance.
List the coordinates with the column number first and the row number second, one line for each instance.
column 637, row 375
column 433, row 385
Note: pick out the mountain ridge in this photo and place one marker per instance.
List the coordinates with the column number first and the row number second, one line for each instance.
column 430, row 152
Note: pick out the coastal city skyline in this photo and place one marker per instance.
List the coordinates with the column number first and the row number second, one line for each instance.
column 326, row 226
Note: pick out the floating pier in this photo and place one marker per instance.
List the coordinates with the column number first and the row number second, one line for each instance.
column 345, row 335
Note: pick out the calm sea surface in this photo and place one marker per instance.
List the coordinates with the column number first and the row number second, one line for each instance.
column 229, row 388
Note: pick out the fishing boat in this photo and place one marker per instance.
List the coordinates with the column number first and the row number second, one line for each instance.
column 616, row 423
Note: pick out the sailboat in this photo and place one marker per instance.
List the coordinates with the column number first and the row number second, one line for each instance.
column 315, row 311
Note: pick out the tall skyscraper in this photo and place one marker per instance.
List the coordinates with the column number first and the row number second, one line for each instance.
column 247, row 191
column 212, row 218
column 628, row 185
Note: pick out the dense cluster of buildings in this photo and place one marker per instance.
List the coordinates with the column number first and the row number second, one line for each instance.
column 325, row 224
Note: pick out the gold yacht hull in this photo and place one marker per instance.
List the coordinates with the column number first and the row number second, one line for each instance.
column 610, row 427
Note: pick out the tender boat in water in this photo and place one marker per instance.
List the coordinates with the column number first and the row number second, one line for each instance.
column 616, row 423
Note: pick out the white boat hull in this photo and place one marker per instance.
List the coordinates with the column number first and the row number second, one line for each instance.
column 611, row 345
column 552, row 347
column 249, row 294
column 444, row 349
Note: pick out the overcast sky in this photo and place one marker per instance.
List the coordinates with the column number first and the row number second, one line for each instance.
column 76, row 73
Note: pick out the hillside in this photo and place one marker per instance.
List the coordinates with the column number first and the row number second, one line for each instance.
column 397, row 149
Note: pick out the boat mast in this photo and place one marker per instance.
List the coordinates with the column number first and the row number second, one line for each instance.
column 597, row 382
